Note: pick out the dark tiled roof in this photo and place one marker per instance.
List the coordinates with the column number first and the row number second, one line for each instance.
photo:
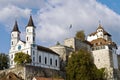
column 15, row 28
column 30, row 23
column 101, row 41
column 23, row 41
column 100, row 27
column 41, row 48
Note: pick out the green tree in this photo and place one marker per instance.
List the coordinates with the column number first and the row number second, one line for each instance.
column 22, row 58
column 3, row 61
column 80, row 66
column 80, row 35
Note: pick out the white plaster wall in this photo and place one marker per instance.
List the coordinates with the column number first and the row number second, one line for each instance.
column 48, row 56
column 90, row 38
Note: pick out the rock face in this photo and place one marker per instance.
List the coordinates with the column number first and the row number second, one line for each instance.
column 11, row 76
column 28, row 72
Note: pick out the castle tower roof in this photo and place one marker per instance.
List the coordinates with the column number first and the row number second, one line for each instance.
column 30, row 23
column 100, row 27
column 15, row 28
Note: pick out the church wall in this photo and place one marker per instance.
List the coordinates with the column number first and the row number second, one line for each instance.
column 48, row 56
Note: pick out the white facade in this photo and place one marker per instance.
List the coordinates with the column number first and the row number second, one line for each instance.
column 41, row 56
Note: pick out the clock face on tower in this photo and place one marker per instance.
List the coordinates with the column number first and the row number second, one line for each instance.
column 19, row 47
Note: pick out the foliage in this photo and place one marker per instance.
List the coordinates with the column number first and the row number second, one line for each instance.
column 58, row 43
column 3, row 61
column 81, row 67
column 80, row 35
column 22, row 58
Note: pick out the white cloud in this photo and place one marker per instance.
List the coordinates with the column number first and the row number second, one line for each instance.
column 54, row 20
column 53, row 17
column 34, row 4
column 9, row 13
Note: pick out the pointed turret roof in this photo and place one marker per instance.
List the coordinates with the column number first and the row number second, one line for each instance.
column 100, row 27
column 15, row 28
column 30, row 23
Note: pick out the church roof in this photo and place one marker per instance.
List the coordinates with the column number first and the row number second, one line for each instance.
column 15, row 28
column 30, row 23
column 45, row 49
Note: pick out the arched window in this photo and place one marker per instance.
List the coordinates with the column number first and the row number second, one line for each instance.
column 45, row 60
column 33, row 59
column 50, row 61
column 39, row 59
column 56, row 62
column 12, row 42
column 33, row 52
column 27, row 38
column 33, row 38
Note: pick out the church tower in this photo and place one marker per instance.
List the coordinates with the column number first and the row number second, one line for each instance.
column 30, row 32
column 15, row 35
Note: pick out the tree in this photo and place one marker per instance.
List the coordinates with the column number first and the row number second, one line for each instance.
column 80, row 35
column 3, row 61
column 81, row 67
column 22, row 58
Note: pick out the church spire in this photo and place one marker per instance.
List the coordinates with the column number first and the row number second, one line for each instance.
column 15, row 28
column 30, row 23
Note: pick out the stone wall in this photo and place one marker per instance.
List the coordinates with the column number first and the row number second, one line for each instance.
column 18, row 70
column 28, row 72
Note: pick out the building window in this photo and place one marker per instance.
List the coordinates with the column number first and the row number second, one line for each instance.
column 45, row 60
column 50, row 61
column 27, row 52
column 27, row 38
column 33, row 52
column 33, row 58
column 39, row 59
column 33, row 38
column 12, row 42
column 11, row 62
column 56, row 62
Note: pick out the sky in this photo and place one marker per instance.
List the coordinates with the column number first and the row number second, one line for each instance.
column 52, row 19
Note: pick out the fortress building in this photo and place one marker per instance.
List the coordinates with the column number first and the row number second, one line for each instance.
column 104, row 51
column 41, row 56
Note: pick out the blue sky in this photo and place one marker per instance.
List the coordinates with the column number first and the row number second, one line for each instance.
column 53, row 17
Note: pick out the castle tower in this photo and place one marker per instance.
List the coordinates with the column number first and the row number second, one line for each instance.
column 30, row 32
column 104, row 51
column 15, row 35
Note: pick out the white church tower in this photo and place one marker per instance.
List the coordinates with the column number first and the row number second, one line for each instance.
column 30, row 32
column 15, row 35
